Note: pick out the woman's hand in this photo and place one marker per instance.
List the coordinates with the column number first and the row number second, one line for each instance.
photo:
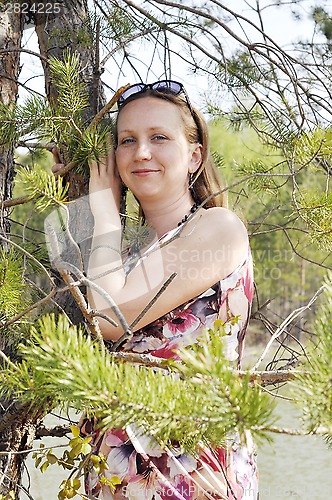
column 105, row 185
column 58, row 165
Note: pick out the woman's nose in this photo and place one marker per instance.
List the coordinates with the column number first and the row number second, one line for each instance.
column 143, row 151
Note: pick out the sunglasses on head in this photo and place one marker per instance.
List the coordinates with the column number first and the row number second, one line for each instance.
column 163, row 86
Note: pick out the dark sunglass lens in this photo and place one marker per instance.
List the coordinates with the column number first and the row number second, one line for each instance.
column 168, row 86
column 134, row 89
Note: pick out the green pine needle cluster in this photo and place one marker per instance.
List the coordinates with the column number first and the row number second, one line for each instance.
column 44, row 188
column 313, row 148
column 200, row 398
column 91, row 146
column 316, row 210
column 13, row 297
column 312, row 390
column 72, row 96
column 259, row 182
column 64, row 122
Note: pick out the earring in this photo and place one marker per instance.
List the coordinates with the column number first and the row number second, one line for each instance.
column 123, row 205
column 191, row 185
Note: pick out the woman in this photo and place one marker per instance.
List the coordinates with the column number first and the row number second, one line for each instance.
column 161, row 155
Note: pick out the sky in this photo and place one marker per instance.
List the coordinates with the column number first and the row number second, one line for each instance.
column 280, row 24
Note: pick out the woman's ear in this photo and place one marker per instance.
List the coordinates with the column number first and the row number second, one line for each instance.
column 196, row 158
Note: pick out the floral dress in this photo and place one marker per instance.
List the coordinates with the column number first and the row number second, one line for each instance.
column 141, row 468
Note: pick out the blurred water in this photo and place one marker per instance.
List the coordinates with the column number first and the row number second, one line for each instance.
column 295, row 467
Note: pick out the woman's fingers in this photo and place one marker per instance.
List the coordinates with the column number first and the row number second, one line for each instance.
column 58, row 165
column 56, row 155
column 55, row 168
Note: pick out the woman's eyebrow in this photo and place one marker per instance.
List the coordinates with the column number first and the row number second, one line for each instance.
column 130, row 131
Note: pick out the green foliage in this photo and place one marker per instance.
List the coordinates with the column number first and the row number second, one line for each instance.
column 91, row 146
column 314, row 148
column 44, row 188
column 10, row 496
column 62, row 122
column 73, row 459
column 9, row 132
column 324, row 21
column 312, row 390
column 316, row 210
column 262, row 176
column 279, row 218
column 208, row 400
column 241, row 70
column 13, row 296
column 77, row 458
column 72, row 92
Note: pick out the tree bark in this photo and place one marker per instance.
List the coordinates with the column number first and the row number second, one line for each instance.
column 17, row 424
column 10, row 38
column 58, row 32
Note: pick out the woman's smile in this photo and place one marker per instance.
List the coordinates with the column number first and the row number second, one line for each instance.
column 142, row 172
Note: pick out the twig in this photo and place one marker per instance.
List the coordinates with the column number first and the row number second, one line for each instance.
column 13, row 202
column 7, row 360
column 266, row 377
column 153, row 300
column 294, row 314
column 5, row 51
column 34, row 306
column 99, row 116
column 294, row 432
column 73, row 286
column 56, row 431
column 36, row 261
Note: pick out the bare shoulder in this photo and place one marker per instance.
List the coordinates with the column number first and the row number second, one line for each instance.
column 221, row 229
column 224, row 222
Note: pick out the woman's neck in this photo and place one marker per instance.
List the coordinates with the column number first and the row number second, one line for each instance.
column 164, row 217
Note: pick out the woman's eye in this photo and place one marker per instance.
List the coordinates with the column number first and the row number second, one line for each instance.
column 159, row 137
column 126, row 140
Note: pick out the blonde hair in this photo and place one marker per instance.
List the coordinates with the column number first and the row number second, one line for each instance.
column 206, row 185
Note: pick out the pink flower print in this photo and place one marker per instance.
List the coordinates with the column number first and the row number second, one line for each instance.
column 215, row 458
column 183, row 322
column 120, row 459
column 180, row 489
column 115, row 438
column 143, row 487
column 121, row 454
column 167, row 352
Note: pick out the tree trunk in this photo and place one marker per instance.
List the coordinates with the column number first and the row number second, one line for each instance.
column 10, row 38
column 17, row 424
column 58, row 31
column 17, row 432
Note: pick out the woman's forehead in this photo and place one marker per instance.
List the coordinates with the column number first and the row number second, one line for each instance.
column 149, row 110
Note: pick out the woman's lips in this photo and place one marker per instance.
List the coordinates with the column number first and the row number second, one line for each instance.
column 143, row 172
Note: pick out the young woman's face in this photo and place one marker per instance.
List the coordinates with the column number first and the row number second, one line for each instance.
column 153, row 155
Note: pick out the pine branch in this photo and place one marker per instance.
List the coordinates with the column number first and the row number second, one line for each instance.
column 312, row 391
column 208, row 400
